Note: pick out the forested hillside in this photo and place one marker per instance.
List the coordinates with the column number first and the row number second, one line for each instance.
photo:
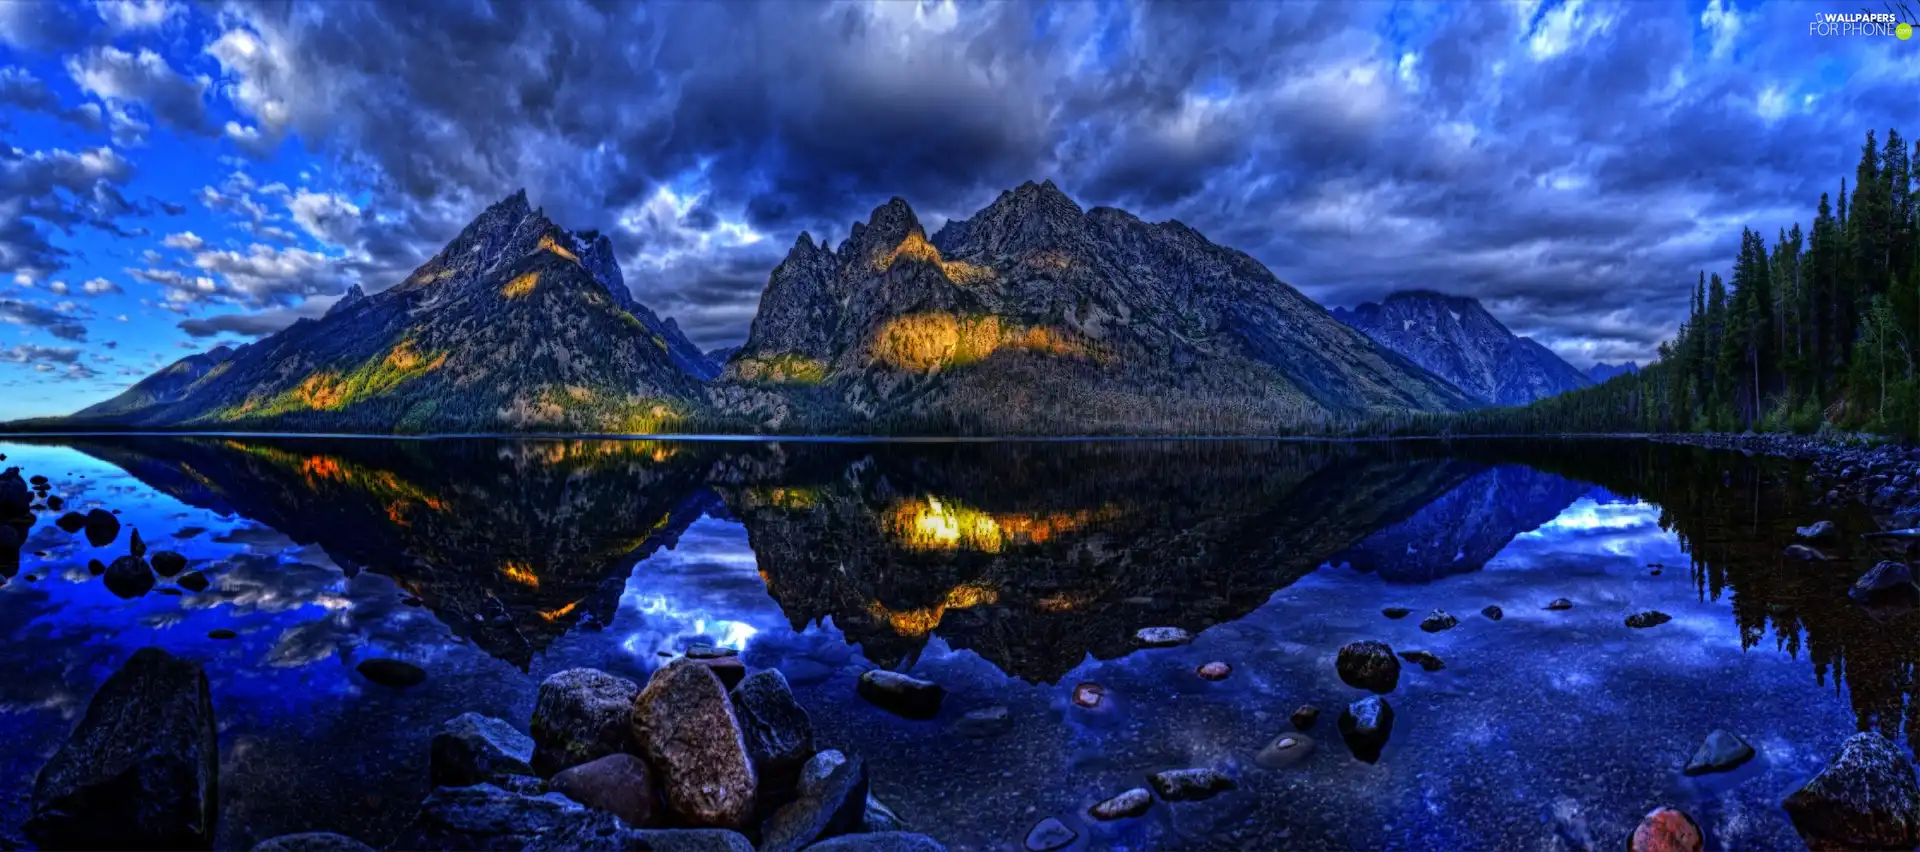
column 1823, row 325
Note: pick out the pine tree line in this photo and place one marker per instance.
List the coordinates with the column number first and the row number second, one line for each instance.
column 1821, row 327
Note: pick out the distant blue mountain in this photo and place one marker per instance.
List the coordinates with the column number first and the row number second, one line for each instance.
column 1467, row 526
column 1603, row 371
column 1456, row 339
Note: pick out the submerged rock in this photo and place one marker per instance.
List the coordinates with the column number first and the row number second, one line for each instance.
column 1804, row 553
column 827, row 807
column 1424, row 660
column 1050, row 834
column 1215, row 671
column 1189, row 785
column 1132, row 803
column 141, row 770
column 102, row 528
column 1437, row 621
column 619, row 784
column 1650, row 618
column 473, row 749
column 1816, row 531
column 901, row 694
column 778, row 732
column 1162, row 637
column 1304, row 717
column 1666, row 830
column 1366, row 725
column 1865, row 799
column 71, row 522
column 129, row 577
column 135, row 546
column 1396, row 612
column 15, row 497
column 985, row 722
column 683, row 722
column 194, row 581
column 1493, row 612
column 486, row 817
column 221, row 633
column 580, row 715
column 398, row 674
column 313, row 841
column 96, row 567
column 1720, row 752
column 886, row 841
column 1885, row 581
column 1089, row 695
column 1285, row 750
column 167, row 563
column 1368, row 665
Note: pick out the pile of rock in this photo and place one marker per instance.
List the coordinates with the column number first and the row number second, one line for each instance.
column 682, row 763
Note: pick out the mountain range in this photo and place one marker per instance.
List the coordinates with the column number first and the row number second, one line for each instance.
column 1456, row 338
column 1603, row 371
column 1032, row 316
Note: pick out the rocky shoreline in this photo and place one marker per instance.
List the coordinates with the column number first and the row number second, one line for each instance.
column 1882, row 475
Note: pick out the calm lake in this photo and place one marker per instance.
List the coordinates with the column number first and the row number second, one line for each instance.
column 1009, row 573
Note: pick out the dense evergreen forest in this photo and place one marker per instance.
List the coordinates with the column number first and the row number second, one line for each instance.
column 1821, row 327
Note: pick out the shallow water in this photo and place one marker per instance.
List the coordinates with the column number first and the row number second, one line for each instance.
column 1008, row 573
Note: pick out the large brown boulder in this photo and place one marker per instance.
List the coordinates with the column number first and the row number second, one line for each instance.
column 141, row 771
column 684, row 723
column 580, row 715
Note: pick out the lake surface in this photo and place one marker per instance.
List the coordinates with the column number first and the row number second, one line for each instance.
column 1009, row 573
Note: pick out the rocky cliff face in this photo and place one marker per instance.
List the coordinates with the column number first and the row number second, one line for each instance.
column 1456, row 338
column 1035, row 316
column 517, row 324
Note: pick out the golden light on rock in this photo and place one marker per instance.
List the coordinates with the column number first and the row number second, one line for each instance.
column 926, row 341
column 522, row 573
column 557, row 614
column 521, row 285
column 916, row 247
column 547, row 244
column 934, row 523
column 920, row 622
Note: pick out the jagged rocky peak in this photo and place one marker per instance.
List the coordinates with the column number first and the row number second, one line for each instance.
column 354, row 295
column 876, row 242
column 1020, row 219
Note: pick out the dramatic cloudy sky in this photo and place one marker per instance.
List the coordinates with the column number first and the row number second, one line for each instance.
column 175, row 175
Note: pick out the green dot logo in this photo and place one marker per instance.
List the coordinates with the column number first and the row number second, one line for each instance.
column 1903, row 32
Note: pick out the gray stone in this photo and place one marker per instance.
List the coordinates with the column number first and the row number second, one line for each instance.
column 1304, row 717
column 472, row 749
column 1285, row 750
column 888, row 841
column 1865, row 799
column 1804, row 553
column 1650, row 618
column 1162, row 637
column 1437, row 621
column 985, row 722
column 831, row 806
column 102, row 527
column 129, row 577
column 900, row 694
column 778, row 732
column 817, row 769
column 485, row 817
column 167, row 563
column 1189, row 785
column 1050, row 834
column 1132, row 803
column 1493, row 613
column 879, row 818
column 141, row 770
column 684, row 723
column 313, row 841
column 580, row 715
column 1888, row 579
column 619, row 784
column 1720, row 752
column 1368, row 665
column 689, row 840
column 1426, row 660
column 1560, row 604
column 1816, row 531
column 1366, row 725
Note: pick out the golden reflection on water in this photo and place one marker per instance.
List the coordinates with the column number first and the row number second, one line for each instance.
column 920, row 622
column 936, row 523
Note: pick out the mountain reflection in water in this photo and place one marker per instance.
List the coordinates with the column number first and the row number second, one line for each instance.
column 1041, row 559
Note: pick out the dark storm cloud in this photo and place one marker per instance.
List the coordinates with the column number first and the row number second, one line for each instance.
column 1578, row 161
column 62, row 325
